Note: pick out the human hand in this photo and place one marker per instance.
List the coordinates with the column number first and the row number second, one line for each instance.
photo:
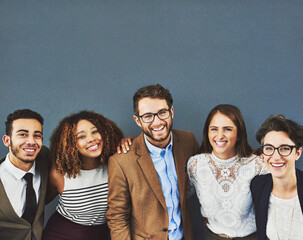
column 124, row 145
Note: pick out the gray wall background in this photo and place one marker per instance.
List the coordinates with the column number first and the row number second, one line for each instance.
column 61, row 56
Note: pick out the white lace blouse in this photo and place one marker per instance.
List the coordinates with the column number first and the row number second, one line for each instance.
column 222, row 187
column 285, row 219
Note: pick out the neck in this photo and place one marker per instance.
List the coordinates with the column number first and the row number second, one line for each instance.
column 89, row 163
column 18, row 163
column 285, row 188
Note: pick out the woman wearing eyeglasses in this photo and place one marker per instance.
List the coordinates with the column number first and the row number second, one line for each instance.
column 278, row 196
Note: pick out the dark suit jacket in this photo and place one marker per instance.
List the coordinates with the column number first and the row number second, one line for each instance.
column 13, row 227
column 261, row 187
column 137, row 208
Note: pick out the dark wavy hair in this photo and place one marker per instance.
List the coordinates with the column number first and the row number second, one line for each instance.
column 18, row 114
column 152, row 91
column 243, row 149
column 63, row 147
column 280, row 123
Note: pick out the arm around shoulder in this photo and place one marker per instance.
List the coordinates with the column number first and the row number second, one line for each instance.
column 55, row 185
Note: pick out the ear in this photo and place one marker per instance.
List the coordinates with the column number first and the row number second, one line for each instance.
column 172, row 112
column 6, row 140
column 299, row 152
column 137, row 120
column 262, row 156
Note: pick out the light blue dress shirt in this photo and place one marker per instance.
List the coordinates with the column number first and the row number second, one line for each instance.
column 164, row 163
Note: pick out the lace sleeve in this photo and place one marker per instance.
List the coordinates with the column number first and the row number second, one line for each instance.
column 191, row 171
column 261, row 166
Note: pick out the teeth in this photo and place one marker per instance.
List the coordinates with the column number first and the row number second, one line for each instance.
column 277, row 164
column 94, row 147
column 220, row 143
column 158, row 129
column 29, row 150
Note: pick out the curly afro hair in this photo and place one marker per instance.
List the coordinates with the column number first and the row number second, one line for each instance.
column 63, row 147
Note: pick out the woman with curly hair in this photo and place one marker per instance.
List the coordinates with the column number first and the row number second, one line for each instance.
column 80, row 148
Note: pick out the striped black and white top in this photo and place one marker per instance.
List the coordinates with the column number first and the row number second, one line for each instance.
column 84, row 198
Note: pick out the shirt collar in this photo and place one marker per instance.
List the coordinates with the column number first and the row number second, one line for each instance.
column 17, row 172
column 156, row 150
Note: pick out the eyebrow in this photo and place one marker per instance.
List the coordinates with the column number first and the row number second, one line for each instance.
column 89, row 129
column 156, row 112
column 223, row 127
column 24, row 130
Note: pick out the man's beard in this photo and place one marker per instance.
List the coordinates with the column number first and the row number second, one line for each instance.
column 147, row 133
column 15, row 152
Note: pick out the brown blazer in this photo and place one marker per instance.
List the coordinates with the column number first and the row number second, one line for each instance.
column 137, row 208
column 12, row 226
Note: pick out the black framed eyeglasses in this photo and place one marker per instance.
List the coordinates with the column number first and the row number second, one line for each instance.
column 283, row 150
column 150, row 117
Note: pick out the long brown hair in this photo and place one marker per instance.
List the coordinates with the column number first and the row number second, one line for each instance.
column 233, row 113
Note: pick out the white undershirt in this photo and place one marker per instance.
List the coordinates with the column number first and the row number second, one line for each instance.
column 222, row 187
column 15, row 186
column 288, row 219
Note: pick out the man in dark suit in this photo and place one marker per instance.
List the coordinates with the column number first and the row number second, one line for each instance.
column 23, row 177
column 148, row 185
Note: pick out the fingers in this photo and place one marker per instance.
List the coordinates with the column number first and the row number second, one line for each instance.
column 124, row 145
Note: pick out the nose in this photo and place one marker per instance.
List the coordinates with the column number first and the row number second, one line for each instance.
column 156, row 120
column 90, row 138
column 30, row 140
column 276, row 154
column 220, row 134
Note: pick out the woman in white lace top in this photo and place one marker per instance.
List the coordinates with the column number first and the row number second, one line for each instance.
column 278, row 196
column 222, row 174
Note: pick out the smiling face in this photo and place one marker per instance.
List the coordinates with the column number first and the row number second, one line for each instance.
column 222, row 135
column 280, row 167
column 24, row 142
column 89, row 140
column 158, row 131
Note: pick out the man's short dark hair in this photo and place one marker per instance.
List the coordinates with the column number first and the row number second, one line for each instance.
column 18, row 114
column 152, row 91
column 280, row 123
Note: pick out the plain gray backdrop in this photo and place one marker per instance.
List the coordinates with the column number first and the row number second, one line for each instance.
column 59, row 57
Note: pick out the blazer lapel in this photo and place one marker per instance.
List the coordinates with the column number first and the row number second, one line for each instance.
column 264, row 203
column 178, row 153
column 41, row 165
column 299, row 187
column 6, row 207
column 149, row 171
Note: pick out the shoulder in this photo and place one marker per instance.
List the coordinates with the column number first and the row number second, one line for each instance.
column 203, row 157
column 187, row 140
column 43, row 158
column 183, row 134
column 259, row 181
column 299, row 172
column 131, row 155
column 2, row 159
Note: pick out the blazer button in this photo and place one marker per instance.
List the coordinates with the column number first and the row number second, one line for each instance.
column 164, row 229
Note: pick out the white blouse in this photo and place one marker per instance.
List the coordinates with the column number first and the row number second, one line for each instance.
column 285, row 219
column 222, row 187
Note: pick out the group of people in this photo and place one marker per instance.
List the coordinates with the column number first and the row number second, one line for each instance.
column 142, row 194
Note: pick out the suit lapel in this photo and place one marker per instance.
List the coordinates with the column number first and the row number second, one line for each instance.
column 6, row 207
column 299, row 187
column 43, row 186
column 178, row 153
column 149, row 171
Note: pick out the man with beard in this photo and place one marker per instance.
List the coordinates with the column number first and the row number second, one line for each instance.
column 147, row 185
column 23, row 177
